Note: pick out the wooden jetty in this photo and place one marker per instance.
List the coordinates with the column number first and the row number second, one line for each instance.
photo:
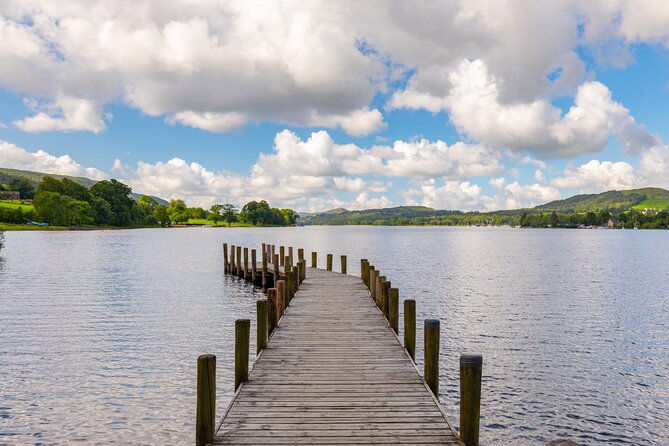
column 330, row 368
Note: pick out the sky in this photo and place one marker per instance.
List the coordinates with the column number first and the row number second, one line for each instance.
column 470, row 105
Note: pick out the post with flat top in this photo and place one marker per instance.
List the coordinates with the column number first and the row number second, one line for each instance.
column 314, row 259
column 231, row 265
column 329, row 262
column 254, row 267
column 393, row 309
column 364, row 270
column 410, row 327
column 431, row 370
column 470, row 398
column 281, row 293
column 287, row 265
column 300, row 253
column 379, row 289
column 246, row 263
column 263, row 280
column 343, row 264
column 290, row 285
column 272, row 304
column 372, row 280
column 276, row 268
column 240, row 272
column 385, row 307
column 205, row 413
column 225, row 257
column 290, row 255
column 242, row 333
column 282, row 255
column 261, row 312
column 293, row 275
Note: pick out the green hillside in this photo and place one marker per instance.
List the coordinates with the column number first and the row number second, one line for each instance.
column 613, row 201
column 34, row 178
column 395, row 215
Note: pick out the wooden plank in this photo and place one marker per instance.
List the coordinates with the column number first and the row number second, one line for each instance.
column 334, row 373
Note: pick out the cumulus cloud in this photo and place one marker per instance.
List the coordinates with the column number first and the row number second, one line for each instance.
column 476, row 108
column 596, row 176
column 15, row 157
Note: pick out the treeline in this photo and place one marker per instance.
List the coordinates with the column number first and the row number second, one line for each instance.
column 629, row 219
column 108, row 203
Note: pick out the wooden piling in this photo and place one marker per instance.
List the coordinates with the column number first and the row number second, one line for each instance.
column 410, row 327
column 364, row 271
column 300, row 253
column 290, row 255
column 225, row 257
column 287, row 265
column 431, row 351
column 263, row 280
column 231, row 266
column 293, row 275
column 343, row 264
column 242, row 332
column 385, row 308
column 303, row 271
column 314, row 259
column 246, row 263
column 281, row 293
column 205, row 413
column 272, row 312
column 276, row 267
column 379, row 290
column 254, row 267
column 470, row 398
column 290, row 285
column 393, row 309
column 282, row 255
column 239, row 262
column 261, row 313
column 372, row 281
column 329, row 262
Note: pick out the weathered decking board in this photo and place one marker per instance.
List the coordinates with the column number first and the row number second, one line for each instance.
column 334, row 373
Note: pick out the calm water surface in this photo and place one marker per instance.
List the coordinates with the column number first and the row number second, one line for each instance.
column 100, row 331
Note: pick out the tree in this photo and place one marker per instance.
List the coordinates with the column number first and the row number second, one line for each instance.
column 75, row 190
column 117, row 195
column 523, row 219
column 229, row 213
column 51, row 207
column 80, row 212
column 290, row 216
column 161, row 215
column 102, row 212
column 147, row 202
column 50, row 184
column 215, row 213
column 23, row 187
column 178, row 211
column 553, row 220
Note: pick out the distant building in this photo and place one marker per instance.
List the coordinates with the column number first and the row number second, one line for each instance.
column 9, row 195
column 611, row 223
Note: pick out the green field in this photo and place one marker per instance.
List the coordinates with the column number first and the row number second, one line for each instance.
column 16, row 204
column 14, row 227
column 652, row 203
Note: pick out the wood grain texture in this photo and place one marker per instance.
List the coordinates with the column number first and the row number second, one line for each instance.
column 334, row 372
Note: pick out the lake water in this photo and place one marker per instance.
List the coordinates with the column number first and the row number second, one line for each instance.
column 100, row 331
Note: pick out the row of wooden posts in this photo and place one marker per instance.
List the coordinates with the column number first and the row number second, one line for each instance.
column 281, row 287
column 471, row 365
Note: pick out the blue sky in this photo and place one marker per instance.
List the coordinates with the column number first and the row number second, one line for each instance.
column 455, row 105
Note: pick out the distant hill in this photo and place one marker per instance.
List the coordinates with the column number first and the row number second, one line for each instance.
column 341, row 216
column 613, row 201
column 34, row 178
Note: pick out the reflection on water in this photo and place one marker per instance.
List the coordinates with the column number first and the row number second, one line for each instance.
column 99, row 331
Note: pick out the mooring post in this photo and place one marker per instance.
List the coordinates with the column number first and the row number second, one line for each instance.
column 372, row 282
column 385, row 307
column 290, row 285
column 272, row 303
column 225, row 257
column 261, row 312
column 276, row 268
column 254, row 267
column 242, row 333
column 471, row 367
column 410, row 327
column 282, row 255
column 329, row 262
column 246, row 263
column 264, row 247
column 232, row 264
column 343, row 264
column 290, row 255
column 287, row 265
column 431, row 370
column 314, row 259
column 205, row 413
column 263, row 280
column 240, row 273
column 364, row 270
column 273, row 250
column 394, row 309
column 300, row 253
column 304, row 271
column 293, row 275
column 281, row 291
column 379, row 290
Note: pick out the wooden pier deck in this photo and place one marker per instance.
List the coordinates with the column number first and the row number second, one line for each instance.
column 334, row 372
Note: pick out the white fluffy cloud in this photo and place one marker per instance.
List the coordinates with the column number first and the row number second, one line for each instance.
column 15, row 157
